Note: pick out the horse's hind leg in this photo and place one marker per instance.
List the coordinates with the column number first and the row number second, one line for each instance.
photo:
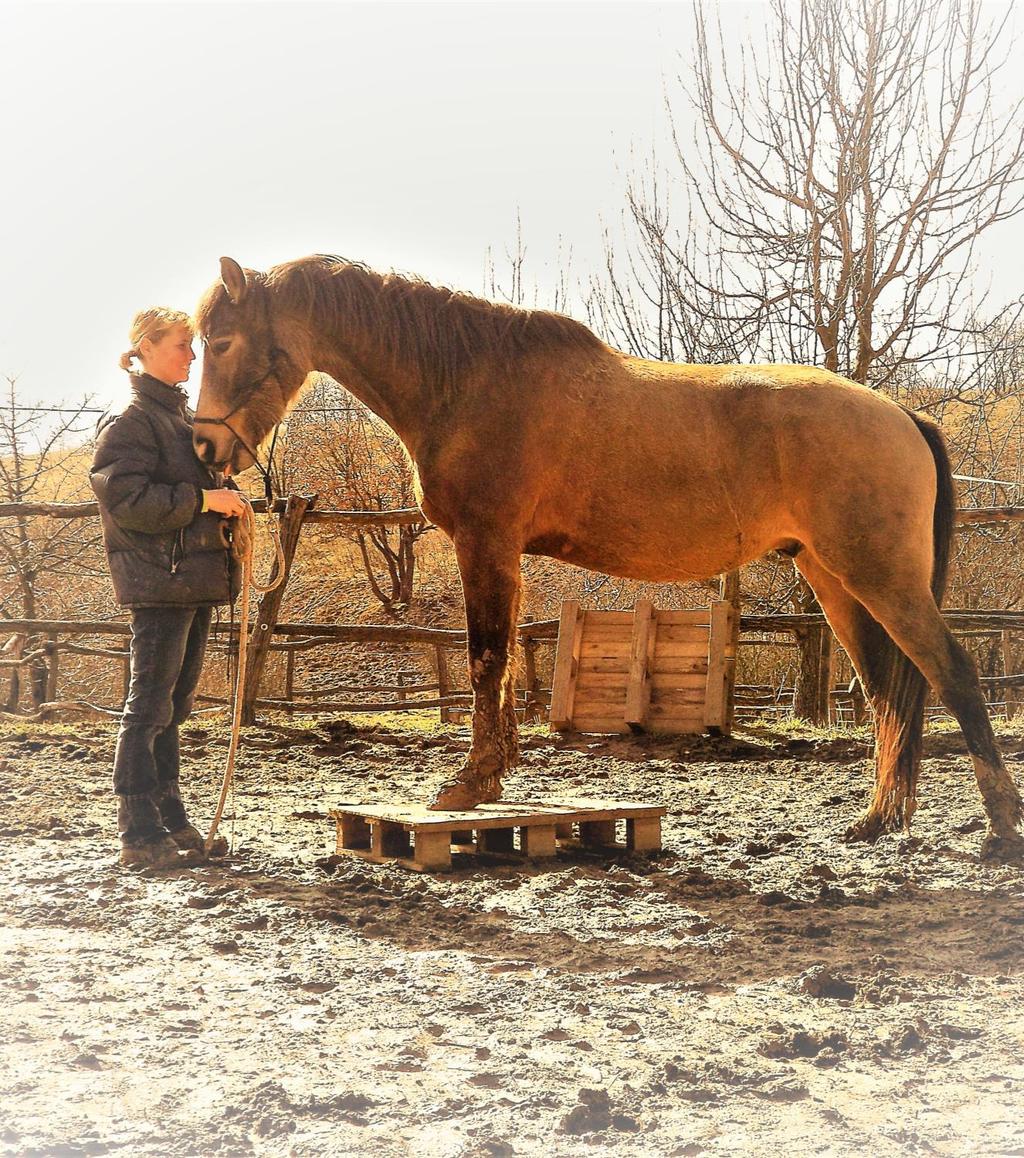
column 911, row 617
column 897, row 703
column 491, row 584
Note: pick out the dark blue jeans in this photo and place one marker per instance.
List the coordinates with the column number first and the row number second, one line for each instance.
column 167, row 650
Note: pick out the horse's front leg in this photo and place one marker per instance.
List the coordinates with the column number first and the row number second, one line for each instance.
column 491, row 585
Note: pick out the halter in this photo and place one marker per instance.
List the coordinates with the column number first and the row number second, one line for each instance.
column 268, row 484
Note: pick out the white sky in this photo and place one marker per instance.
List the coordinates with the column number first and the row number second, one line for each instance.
column 141, row 141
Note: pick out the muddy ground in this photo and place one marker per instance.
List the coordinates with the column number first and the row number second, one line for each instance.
column 759, row 988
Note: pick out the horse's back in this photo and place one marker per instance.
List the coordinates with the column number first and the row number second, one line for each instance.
column 672, row 469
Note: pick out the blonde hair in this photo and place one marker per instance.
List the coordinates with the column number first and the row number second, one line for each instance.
column 152, row 324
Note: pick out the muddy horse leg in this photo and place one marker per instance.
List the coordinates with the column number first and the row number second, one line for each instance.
column 491, row 585
column 896, row 690
column 911, row 617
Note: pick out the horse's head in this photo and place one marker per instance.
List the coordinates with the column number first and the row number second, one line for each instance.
column 249, row 374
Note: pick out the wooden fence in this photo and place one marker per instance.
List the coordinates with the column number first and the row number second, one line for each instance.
column 50, row 637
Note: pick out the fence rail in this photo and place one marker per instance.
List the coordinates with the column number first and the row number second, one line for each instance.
column 295, row 638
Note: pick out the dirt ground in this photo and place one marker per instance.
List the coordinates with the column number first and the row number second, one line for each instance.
column 759, row 988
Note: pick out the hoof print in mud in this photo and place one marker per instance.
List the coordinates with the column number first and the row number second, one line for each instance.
column 822, row 982
column 590, row 1115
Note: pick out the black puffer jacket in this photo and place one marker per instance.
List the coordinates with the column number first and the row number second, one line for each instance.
column 161, row 548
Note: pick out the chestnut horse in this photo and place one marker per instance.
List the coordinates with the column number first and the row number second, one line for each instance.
column 528, row 434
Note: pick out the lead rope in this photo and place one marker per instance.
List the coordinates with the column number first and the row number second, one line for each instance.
column 248, row 584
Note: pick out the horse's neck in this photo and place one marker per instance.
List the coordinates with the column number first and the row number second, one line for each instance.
column 395, row 397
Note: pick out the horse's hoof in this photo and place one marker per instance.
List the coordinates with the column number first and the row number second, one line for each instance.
column 1006, row 849
column 866, row 830
column 459, row 795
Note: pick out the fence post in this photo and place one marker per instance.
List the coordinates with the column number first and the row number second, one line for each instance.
column 52, row 652
column 266, row 615
column 814, row 673
column 1012, row 701
column 13, row 648
column 441, row 665
column 532, row 709
column 289, row 681
column 730, row 592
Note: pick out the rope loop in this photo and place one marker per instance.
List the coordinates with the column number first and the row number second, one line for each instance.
column 249, row 584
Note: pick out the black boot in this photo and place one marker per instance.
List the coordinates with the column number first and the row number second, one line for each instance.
column 144, row 840
column 172, row 807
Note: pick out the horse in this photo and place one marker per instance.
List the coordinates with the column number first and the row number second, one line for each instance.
column 527, row 434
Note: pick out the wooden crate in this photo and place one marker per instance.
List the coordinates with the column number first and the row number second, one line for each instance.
column 644, row 670
column 418, row 838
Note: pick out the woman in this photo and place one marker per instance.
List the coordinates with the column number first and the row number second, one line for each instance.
column 166, row 531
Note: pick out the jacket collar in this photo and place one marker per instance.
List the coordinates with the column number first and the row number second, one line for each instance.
column 170, row 397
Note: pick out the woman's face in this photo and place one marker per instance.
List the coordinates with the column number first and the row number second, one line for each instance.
column 170, row 358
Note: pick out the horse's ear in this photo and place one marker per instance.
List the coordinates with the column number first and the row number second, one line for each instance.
column 233, row 277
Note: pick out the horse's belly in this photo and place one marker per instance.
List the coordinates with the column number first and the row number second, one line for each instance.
column 661, row 555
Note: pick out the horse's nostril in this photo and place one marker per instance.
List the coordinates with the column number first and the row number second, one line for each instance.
column 204, row 449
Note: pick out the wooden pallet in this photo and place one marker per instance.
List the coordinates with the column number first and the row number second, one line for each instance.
column 418, row 838
column 644, row 670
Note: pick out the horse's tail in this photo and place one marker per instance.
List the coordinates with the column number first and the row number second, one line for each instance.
column 903, row 690
column 944, row 519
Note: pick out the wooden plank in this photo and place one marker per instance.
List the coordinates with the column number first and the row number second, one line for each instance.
column 604, row 665
column 669, row 649
column 541, row 839
column 503, row 814
column 616, row 634
column 432, row 850
column 681, row 665
column 638, row 683
column 644, row 834
column 600, row 694
column 691, row 694
column 670, row 680
column 606, row 725
column 591, row 650
column 600, row 679
column 682, row 634
column 570, row 628
column 721, row 665
column 698, row 616
column 595, row 620
column 678, row 709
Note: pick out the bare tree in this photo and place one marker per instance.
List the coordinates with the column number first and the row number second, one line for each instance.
column 838, row 180
column 353, row 461
column 40, row 461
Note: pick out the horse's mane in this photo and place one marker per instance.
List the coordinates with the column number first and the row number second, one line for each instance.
column 442, row 332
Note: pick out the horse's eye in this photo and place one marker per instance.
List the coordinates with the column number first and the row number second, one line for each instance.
column 221, row 347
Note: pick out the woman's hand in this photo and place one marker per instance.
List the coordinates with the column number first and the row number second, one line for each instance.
column 226, row 502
